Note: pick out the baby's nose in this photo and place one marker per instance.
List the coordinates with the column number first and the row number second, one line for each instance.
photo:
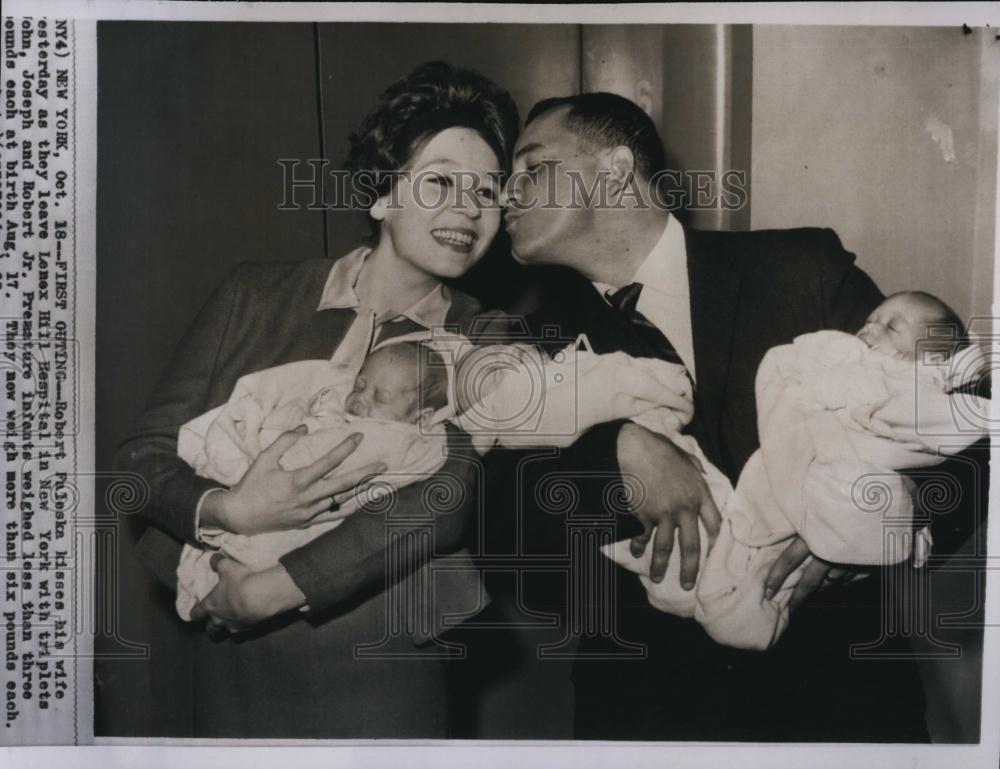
column 868, row 333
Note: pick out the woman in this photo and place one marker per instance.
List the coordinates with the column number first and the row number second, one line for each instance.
column 343, row 671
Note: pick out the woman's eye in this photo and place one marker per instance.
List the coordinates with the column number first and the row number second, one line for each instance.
column 487, row 196
column 439, row 179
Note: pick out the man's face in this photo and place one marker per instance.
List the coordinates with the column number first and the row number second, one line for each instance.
column 545, row 215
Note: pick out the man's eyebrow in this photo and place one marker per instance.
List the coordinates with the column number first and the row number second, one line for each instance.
column 527, row 148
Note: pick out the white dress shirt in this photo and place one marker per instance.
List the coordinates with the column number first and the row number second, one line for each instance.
column 666, row 297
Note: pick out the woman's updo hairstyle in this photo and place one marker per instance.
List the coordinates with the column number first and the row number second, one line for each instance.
column 433, row 97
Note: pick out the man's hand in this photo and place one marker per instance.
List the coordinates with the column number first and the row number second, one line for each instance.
column 244, row 597
column 269, row 497
column 813, row 573
column 674, row 497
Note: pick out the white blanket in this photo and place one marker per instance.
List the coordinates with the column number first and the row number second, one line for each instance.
column 222, row 443
column 836, row 423
column 517, row 396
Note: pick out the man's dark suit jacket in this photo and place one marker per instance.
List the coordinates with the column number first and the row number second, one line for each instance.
column 299, row 678
column 749, row 292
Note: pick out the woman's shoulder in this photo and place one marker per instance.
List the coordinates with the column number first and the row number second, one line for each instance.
column 256, row 286
column 272, row 275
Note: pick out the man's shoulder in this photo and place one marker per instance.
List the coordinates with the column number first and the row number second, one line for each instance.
column 800, row 249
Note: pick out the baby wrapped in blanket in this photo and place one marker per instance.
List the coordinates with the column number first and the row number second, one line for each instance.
column 392, row 403
column 838, row 416
column 398, row 402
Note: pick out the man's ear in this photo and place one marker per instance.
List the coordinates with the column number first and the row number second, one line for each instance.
column 622, row 168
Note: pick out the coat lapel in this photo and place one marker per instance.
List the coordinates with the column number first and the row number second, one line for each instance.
column 714, row 285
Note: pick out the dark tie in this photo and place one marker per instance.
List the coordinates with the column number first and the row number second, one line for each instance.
column 654, row 344
column 658, row 346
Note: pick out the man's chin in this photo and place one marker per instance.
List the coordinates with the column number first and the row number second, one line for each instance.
column 519, row 258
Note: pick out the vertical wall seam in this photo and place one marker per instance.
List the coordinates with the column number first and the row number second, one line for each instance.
column 738, row 126
column 318, row 60
column 741, row 136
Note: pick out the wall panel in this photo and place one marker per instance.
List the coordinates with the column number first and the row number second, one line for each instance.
column 191, row 121
column 886, row 135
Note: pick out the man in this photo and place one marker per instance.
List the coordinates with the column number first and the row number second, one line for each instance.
column 636, row 280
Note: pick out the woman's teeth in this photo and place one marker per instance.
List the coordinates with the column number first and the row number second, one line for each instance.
column 454, row 237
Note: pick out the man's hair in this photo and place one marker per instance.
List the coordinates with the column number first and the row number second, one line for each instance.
column 607, row 120
column 947, row 333
column 433, row 97
column 433, row 385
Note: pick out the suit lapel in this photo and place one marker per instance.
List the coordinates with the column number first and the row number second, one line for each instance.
column 714, row 285
column 322, row 331
column 331, row 326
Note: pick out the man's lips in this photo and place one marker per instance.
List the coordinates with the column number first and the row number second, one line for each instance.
column 455, row 237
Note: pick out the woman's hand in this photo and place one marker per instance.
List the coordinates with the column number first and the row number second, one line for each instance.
column 270, row 498
column 244, row 597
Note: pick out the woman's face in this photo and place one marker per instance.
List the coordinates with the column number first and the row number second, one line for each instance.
column 443, row 212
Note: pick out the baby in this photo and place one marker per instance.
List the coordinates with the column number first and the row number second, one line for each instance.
column 838, row 416
column 394, row 402
column 897, row 325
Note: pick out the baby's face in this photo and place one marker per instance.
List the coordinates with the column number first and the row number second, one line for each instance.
column 895, row 326
column 387, row 387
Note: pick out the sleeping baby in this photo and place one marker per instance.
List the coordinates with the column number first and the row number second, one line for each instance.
column 392, row 403
column 398, row 401
column 838, row 416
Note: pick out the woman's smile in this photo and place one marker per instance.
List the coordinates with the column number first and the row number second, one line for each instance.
column 460, row 239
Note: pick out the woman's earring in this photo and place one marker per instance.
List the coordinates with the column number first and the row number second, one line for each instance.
column 378, row 210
